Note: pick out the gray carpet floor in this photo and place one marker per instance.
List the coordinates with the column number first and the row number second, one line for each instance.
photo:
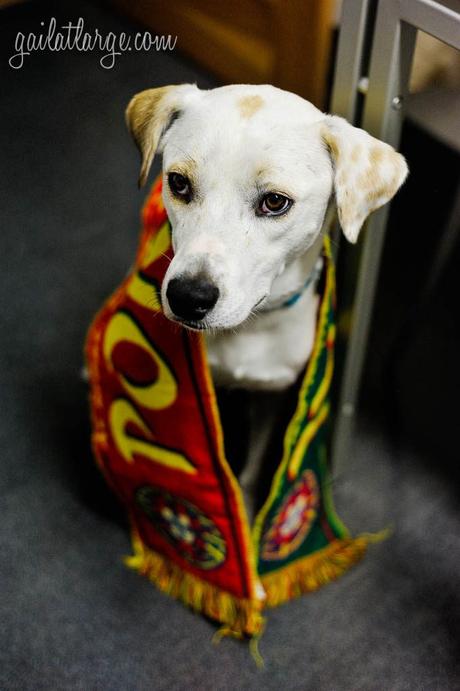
column 71, row 615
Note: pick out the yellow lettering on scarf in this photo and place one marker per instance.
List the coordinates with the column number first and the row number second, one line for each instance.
column 163, row 391
column 122, row 413
column 140, row 290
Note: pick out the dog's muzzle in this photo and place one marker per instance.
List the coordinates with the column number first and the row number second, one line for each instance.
column 191, row 298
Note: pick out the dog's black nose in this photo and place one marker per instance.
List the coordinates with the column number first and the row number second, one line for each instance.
column 191, row 298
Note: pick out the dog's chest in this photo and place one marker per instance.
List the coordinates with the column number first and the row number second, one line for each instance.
column 267, row 353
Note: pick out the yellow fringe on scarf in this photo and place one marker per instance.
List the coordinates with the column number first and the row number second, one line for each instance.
column 316, row 570
column 226, row 631
column 241, row 616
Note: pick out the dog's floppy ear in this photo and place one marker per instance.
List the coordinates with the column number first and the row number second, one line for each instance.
column 367, row 172
column 149, row 115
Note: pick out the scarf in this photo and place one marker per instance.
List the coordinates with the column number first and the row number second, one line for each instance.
column 157, row 438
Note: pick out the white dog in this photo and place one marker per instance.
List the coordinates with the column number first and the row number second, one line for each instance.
column 248, row 174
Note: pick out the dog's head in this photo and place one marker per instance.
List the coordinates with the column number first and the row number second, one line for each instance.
column 248, row 172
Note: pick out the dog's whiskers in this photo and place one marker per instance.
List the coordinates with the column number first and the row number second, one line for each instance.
column 152, row 304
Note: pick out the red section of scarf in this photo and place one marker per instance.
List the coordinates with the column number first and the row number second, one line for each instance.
column 189, row 425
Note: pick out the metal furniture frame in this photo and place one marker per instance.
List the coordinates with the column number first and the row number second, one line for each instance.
column 387, row 30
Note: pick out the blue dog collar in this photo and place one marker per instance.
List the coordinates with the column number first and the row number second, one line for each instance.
column 291, row 300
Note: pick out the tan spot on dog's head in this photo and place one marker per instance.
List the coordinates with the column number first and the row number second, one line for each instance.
column 369, row 179
column 384, row 191
column 248, row 105
column 356, row 153
column 374, row 195
column 376, row 154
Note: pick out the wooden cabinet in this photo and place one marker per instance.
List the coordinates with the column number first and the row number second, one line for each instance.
column 281, row 42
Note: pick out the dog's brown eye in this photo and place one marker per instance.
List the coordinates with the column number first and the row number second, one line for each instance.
column 273, row 204
column 180, row 185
